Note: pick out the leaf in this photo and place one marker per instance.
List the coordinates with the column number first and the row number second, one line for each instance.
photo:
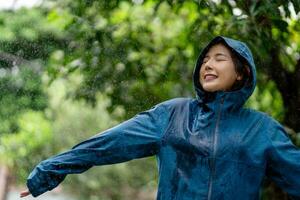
column 281, row 24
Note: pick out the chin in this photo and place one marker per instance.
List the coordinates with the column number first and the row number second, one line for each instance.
column 210, row 88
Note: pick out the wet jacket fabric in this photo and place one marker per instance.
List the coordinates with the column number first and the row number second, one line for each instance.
column 208, row 147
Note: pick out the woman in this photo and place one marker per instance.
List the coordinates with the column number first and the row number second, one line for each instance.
column 207, row 148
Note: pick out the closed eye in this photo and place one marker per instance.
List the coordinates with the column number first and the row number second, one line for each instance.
column 221, row 59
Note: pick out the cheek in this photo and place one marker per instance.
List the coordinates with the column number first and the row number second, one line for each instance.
column 229, row 77
column 201, row 71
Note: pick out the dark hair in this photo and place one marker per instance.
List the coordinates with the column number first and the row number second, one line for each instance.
column 241, row 68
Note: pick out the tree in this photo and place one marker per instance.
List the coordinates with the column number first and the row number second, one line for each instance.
column 26, row 41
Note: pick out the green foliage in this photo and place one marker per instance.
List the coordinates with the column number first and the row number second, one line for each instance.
column 267, row 99
column 20, row 90
column 27, row 24
column 28, row 35
column 127, row 53
column 74, row 121
column 32, row 142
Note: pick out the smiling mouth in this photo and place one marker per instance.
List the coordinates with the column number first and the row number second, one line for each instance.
column 210, row 77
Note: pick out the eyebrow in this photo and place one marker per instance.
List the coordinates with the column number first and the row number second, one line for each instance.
column 217, row 54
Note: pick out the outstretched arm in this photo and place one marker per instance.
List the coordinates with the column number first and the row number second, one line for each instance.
column 137, row 137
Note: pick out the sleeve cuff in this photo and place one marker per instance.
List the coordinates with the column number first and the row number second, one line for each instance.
column 34, row 188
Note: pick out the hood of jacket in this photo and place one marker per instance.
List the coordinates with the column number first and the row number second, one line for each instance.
column 233, row 99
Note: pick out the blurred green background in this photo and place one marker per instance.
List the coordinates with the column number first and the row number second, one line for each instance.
column 71, row 69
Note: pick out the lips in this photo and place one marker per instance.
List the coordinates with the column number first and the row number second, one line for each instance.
column 209, row 77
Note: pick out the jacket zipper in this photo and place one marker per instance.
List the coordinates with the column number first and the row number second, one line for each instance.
column 215, row 141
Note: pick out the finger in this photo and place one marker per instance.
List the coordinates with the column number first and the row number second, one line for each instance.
column 24, row 193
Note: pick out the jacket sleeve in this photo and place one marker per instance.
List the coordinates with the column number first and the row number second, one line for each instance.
column 137, row 137
column 283, row 163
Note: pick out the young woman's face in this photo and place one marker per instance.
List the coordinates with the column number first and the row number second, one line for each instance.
column 217, row 71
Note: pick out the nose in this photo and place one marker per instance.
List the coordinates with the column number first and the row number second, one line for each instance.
column 207, row 65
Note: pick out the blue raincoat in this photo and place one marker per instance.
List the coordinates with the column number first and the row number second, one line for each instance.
column 208, row 147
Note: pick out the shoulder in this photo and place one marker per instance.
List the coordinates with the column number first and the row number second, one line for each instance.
column 268, row 123
column 260, row 120
column 258, row 115
column 167, row 108
column 266, row 118
column 174, row 103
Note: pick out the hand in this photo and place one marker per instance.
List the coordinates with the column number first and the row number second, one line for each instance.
column 24, row 193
